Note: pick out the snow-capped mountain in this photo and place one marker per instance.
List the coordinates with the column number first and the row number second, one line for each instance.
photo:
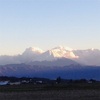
column 61, row 51
column 57, row 52
column 87, row 57
column 30, row 54
column 33, row 50
column 27, row 56
column 59, row 61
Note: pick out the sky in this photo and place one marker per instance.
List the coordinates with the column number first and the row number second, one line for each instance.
column 48, row 23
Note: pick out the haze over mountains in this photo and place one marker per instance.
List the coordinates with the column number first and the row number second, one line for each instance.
column 59, row 61
column 32, row 54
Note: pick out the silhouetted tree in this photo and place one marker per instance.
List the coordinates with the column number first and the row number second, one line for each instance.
column 58, row 80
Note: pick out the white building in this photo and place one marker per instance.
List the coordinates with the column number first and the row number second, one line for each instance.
column 4, row 82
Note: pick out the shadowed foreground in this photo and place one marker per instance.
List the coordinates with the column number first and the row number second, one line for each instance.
column 52, row 95
column 71, row 91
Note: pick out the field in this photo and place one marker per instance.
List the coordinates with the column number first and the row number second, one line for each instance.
column 51, row 92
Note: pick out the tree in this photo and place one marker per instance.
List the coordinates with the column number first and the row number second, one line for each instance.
column 58, row 80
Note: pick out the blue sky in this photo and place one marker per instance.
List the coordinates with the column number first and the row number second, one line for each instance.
column 48, row 23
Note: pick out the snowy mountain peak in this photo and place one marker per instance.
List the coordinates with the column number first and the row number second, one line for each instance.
column 32, row 50
column 61, row 51
column 87, row 56
column 35, row 49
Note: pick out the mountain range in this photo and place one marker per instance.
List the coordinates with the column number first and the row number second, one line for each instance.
column 59, row 61
column 32, row 54
column 52, row 72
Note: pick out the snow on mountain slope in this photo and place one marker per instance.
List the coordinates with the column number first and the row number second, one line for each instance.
column 30, row 54
column 87, row 57
column 27, row 56
column 30, row 51
column 57, row 52
column 62, row 52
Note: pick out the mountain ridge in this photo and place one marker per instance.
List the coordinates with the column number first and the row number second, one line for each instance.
column 87, row 57
column 52, row 72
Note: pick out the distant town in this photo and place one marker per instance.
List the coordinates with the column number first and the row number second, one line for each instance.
column 4, row 80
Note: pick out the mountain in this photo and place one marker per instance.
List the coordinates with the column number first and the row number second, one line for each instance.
column 68, row 72
column 38, row 68
column 27, row 56
column 86, row 57
column 57, row 62
column 57, row 52
column 32, row 51
column 30, row 54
